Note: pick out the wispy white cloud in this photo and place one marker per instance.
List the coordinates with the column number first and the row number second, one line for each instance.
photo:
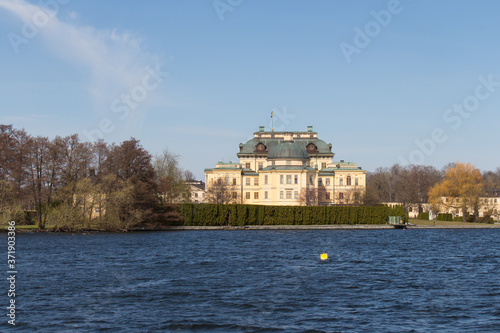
column 28, row 118
column 115, row 60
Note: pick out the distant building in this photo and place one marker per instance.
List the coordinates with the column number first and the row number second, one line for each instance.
column 413, row 209
column 488, row 206
column 287, row 168
column 196, row 190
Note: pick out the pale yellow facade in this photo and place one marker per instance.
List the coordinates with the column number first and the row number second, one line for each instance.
column 289, row 168
column 488, row 206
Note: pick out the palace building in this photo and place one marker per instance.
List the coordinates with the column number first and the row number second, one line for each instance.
column 285, row 168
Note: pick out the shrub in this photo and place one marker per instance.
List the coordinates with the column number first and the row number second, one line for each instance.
column 444, row 217
column 423, row 216
column 240, row 215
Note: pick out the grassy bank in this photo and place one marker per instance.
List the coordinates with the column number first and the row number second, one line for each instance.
column 427, row 223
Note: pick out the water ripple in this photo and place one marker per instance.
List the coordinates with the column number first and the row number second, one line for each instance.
column 260, row 281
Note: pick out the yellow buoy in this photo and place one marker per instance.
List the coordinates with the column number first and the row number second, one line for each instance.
column 324, row 256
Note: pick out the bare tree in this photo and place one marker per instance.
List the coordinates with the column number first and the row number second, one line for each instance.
column 353, row 196
column 171, row 185
column 221, row 192
column 309, row 197
column 188, row 175
column 492, row 183
column 407, row 185
column 44, row 172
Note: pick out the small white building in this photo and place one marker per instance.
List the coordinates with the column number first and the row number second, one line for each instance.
column 197, row 191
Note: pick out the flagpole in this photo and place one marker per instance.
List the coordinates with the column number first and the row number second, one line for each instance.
column 272, row 122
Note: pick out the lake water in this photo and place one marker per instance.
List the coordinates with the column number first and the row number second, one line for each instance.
column 445, row 280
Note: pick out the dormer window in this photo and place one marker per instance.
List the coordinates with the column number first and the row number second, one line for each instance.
column 311, row 147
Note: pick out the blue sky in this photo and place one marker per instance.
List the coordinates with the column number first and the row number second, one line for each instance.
column 384, row 81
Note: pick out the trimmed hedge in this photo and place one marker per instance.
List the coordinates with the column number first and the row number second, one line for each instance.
column 423, row 216
column 241, row 215
column 444, row 217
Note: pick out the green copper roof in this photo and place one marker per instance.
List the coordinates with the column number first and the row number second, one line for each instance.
column 288, row 151
column 250, row 147
column 288, row 167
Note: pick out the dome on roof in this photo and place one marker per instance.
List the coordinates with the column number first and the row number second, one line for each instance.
column 288, row 150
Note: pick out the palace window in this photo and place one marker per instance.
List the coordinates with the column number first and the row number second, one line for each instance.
column 341, row 181
column 281, row 194
column 266, row 179
column 348, row 181
column 327, row 181
column 281, row 179
column 288, row 179
column 323, row 165
column 356, row 182
column 256, row 181
column 226, row 180
column 288, row 194
column 234, row 181
column 235, row 195
column 327, row 195
column 256, row 195
column 320, row 182
column 261, row 165
column 296, row 179
column 341, row 196
column 247, row 195
column 247, row 181
column 311, row 180
column 265, row 195
column 296, row 195
column 247, row 165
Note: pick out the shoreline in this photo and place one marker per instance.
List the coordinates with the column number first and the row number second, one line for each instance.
column 334, row 227
column 280, row 227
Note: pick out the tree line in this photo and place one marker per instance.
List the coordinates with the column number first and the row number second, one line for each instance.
column 416, row 185
column 70, row 184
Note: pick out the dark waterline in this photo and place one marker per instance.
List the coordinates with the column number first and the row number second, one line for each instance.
column 259, row 281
